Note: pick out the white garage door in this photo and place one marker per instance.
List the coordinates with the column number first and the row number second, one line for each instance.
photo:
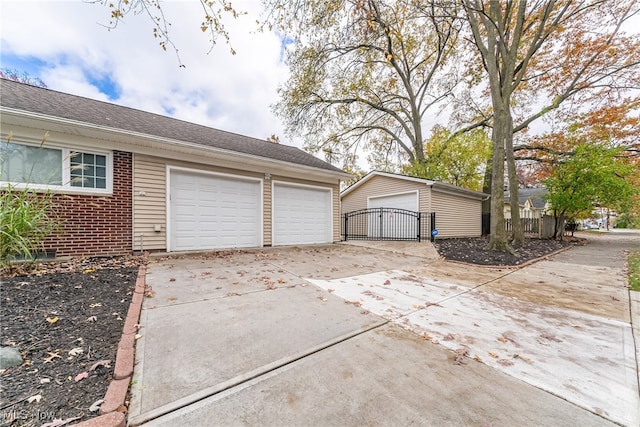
column 390, row 224
column 301, row 215
column 212, row 212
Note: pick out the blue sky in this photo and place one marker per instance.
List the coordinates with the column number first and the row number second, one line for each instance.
column 65, row 44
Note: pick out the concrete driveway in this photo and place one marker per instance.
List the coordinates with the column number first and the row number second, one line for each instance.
column 354, row 335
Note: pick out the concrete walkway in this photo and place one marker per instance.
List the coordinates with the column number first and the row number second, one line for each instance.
column 244, row 338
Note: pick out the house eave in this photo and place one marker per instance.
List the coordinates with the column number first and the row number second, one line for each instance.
column 151, row 144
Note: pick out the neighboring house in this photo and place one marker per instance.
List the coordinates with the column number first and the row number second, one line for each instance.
column 126, row 180
column 458, row 210
column 531, row 201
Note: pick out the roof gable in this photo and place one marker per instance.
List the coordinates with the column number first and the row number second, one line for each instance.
column 436, row 185
column 32, row 99
column 537, row 196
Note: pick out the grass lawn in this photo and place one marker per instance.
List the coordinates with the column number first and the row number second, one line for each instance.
column 634, row 270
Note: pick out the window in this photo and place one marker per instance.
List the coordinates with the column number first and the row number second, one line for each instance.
column 55, row 168
column 88, row 170
column 36, row 165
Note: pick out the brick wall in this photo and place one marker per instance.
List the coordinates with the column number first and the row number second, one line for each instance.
column 96, row 225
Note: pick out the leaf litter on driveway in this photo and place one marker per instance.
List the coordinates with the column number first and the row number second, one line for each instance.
column 586, row 359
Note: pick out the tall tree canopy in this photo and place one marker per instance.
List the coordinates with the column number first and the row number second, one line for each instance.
column 456, row 159
column 365, row 73
column 519, row 44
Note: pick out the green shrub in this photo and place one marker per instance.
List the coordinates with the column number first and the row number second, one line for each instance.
column 25, row 221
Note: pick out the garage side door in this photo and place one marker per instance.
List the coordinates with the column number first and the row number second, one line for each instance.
column 301, row 215
column 212, row 212
column 393, row 225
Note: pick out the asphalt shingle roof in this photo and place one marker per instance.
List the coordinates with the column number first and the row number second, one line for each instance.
column 63, row 105
column 536, row 194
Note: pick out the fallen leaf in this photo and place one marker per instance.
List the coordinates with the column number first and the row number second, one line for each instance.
column 76, row 351
column 35, row 398
column 95, row 406
column 137, row 336
column 503, row 339
column 105, row 363
column 387, row 282
column 526, row 359
column 495, row 356
column 88, row 270
column 460, row 354
column 81, row 376
column 52, row 320
column 426, row 336
column 477, row 358
column 51, row 357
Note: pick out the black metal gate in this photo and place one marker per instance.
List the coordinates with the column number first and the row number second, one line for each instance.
column 388, row 224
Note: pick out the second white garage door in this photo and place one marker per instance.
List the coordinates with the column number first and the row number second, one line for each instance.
column 301, row 215
column 214, row 211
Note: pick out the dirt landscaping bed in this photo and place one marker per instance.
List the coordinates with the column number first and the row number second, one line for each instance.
column 66, row 320
column 473, row 250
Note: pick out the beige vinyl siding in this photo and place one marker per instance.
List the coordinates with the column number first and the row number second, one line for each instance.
column 336, row 202
column 150, row 210
column 384, row 186
column 149, row 203
column 457, row 216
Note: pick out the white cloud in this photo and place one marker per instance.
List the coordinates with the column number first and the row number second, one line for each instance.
column 74, row 53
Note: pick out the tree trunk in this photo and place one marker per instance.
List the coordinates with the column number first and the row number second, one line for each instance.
column 486, row 185
column 516, row 224
column 498, row 236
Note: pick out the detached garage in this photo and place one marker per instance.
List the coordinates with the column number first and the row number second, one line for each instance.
column 458, row 211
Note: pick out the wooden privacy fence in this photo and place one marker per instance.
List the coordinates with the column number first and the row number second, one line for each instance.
column 539, row 227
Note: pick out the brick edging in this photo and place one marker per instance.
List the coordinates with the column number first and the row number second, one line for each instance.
column 113, row 409
column 514, row 267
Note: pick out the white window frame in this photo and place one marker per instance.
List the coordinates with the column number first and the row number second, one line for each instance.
column 66, row 172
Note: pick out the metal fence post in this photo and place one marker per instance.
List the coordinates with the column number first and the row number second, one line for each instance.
column 432, row 226
column 346, row 227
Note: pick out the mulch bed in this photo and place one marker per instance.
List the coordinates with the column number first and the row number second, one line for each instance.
column 473, row 250
column 66, row 319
